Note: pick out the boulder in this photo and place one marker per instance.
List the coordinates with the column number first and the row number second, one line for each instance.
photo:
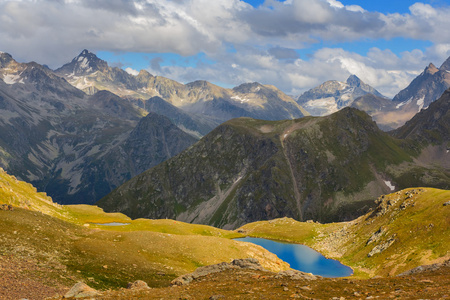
column 81, row 290
column 138, row 285
column 296, row 275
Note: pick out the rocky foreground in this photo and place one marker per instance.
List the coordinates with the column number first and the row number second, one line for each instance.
column 246, row 279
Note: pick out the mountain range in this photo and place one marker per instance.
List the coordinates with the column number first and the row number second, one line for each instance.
column 71, row 145
column 200, row 98
column 321, row 168
column 79, row 145
column 389, row 114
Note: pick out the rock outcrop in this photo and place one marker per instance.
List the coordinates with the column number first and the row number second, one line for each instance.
column 81, row 290
column 240, row 264
column 138, row 285
column 426, row 268
column 247, row 263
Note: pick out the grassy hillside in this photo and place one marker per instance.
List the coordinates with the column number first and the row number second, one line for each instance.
column 67, row 245
column 413, row 226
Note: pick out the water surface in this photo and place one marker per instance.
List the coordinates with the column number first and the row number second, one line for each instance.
column 112, row 224
column 303, row 258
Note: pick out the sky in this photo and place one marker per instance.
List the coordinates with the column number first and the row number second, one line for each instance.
column 292, row 44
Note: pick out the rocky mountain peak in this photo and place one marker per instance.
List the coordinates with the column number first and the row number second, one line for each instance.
column 446, row 65
column 354, row 80
column 431, row 69
column 84, row 64
column 199, row 84
column 251, row 87
column 5, row 59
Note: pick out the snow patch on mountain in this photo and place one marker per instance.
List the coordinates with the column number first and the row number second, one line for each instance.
column 420, row 103
column 12, row 79
column 404, row 103
column 240, row 99
column 323, row 106
column 389, row 185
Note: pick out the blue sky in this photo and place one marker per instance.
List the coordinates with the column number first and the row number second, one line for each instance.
column 292, row 44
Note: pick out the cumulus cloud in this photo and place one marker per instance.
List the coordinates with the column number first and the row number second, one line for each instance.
column 382, row 69
column 265, row 37
column 132, row 71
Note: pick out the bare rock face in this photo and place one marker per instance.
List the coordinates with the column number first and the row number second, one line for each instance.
column 426, row 268
column 381, row 247
column 81, row 290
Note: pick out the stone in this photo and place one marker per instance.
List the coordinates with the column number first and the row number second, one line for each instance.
column 81, row 290
column 382, row 247
column 6, row 207
column 296, row 275
column 138, row 285
column 248, row 263
column 447, row 203
column 217, row 297
column 376, row 236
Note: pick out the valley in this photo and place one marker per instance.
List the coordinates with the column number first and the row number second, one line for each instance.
column 50, row 247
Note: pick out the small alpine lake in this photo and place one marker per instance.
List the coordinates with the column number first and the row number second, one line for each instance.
column 302, row 258
column 112, row 224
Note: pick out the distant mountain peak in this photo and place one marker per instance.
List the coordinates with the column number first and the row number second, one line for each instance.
column 333, row 95
column 250, row 87
column 5, row 59
column 83, row 64
column 431, row 69
column 354, row 80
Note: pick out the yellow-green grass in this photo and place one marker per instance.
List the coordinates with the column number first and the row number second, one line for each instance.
column 419, row 224
column 289, row 230
column 93, row 217
column 155, row 251
column 22, row 194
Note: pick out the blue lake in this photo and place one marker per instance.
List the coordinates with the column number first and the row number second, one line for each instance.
column 303, row 258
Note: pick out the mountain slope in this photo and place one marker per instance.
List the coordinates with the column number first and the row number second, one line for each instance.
column 190, row 123
column 382, row 110
column 333, row 95
column 246, row 170
column 425, row 88
column 55, row 136
column 431, row 125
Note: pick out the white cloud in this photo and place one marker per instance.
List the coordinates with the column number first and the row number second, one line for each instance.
column 132, row 71
column 264, row 37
